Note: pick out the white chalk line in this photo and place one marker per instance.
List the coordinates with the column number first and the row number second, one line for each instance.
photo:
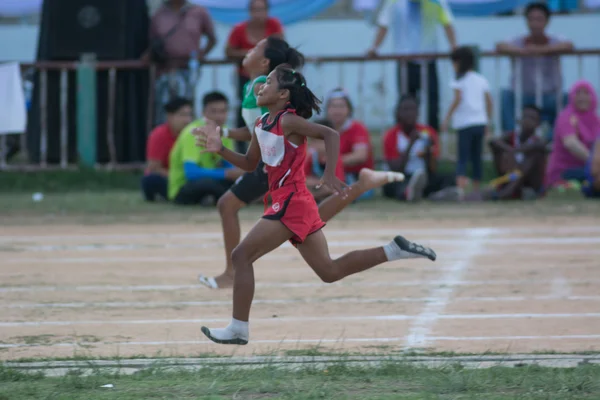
column 398, row 317
column 560, row 287
column 282, row 285
column 344, row 300
column 338, row 232
column 426, row 320
column 558, row 241
column 340, row 341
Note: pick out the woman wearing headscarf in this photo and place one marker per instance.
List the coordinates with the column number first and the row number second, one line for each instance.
column 577, row 129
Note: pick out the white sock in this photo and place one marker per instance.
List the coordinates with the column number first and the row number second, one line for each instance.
column 235, row 330
column 394, row 252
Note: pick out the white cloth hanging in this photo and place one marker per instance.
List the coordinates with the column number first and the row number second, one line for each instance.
column 13, row 112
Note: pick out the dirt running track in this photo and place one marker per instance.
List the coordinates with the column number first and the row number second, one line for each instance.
column 131, row 290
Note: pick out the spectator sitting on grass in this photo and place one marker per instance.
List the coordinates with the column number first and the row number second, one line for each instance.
column 412, row 148
column 591, row 186
column 196, row 177
column 160, row 142
column 315, row 166
column 356, row 150
column 577, row 129
column 520, row 161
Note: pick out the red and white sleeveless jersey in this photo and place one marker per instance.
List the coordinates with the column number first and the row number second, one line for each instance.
column 283, row 159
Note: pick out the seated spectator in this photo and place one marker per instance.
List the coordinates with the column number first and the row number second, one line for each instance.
column 315, row 167
column 412, row 148
column 520, row 161
column 356, row 150
column 161, row 140
column 577, row 128
column 540, row 59
column 196, row 177
column 591, row 186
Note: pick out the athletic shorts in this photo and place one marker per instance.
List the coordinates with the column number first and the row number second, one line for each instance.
column 295, row 207
column 252, row 185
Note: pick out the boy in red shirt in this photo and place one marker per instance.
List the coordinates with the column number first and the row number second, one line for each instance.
column 412, row 149
column 160, row 142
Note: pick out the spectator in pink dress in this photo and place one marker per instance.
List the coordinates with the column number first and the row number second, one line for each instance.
column 577, row 128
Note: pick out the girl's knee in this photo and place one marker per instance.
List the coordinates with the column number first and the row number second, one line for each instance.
column 229, row 204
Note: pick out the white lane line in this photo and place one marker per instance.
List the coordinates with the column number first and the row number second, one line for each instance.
column 303, row 341
column 558, row 241
column 279, row 256
column 346, row 232
column 421, row 327
column 285, row 285
column 312, row 300
column 398, row 317
column 560, row 287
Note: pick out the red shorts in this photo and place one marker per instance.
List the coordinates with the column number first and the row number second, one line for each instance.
column 295, row 207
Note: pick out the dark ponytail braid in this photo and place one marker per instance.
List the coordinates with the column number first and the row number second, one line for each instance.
column 302, row 99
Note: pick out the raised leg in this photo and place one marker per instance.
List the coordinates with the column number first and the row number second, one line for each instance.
column 367, row 180
column 315, row 252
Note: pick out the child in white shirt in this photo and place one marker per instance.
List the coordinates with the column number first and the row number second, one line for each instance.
column 470, row 112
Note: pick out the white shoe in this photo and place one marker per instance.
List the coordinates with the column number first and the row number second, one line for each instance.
column 225, row 336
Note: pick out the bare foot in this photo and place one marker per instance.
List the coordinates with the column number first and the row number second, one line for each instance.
column 224, row 281
column 370, row 179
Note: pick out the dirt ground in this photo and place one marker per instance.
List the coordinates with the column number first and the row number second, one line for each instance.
column 122, row 290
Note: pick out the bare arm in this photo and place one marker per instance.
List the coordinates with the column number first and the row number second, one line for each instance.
column 453, row 107
column 450, row 35
column 556, row 48
column 208, row 28
column 489, row 106
column 358, row 156
column 246, row 162
column 509, row 49
column 294, row 125
column 501, row 144
column 379, row 37
column 210, row 44
column 575, row 147
column 240, row 134
column 155, row 167
column 234, row 53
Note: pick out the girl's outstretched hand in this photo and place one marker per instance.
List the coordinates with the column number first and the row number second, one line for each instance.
column 333, row 183
column 208, row 137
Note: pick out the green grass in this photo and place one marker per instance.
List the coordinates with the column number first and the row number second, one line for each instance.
column 98, row 181
column 391, row 381
column 90, row 207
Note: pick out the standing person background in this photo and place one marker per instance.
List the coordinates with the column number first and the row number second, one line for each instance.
column 245, row 35
column 415, row 25
column 176, row 31
column 470, row 114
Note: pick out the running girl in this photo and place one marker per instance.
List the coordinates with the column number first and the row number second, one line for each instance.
column 262, row 59
column 279, row 139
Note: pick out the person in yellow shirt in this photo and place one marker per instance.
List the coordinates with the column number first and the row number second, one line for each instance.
column 196, row 177
column 414, row 25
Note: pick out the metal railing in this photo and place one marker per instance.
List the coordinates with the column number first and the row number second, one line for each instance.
column 371, row 82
